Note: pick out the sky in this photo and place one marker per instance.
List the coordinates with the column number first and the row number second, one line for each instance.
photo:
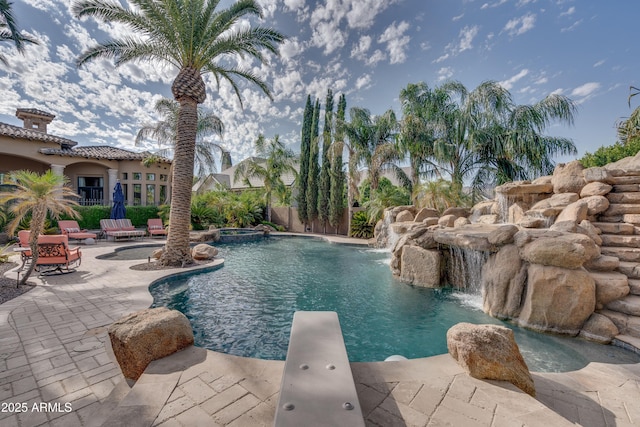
column 367, row 49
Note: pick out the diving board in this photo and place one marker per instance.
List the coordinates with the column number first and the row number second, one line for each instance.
column 317, row 385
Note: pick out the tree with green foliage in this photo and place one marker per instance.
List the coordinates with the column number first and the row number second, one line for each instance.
column 164, row 133
column 336, row 202
column 420, row 106
column 314, row 166
column 611, row 153
column 275, row 160
column 305, row 153
column 36, row 196
column 9, row 30
column 324, row 189
column 373, row 140
column 196, row 38
column 482, row 135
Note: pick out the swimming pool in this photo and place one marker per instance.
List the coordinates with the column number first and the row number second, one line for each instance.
column 246, row 307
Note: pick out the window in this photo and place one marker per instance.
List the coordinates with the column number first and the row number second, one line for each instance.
column 163, row 177
column 163, row 193
column 137, row 194
column 125, row 176
column 151, row 194
column 151, row 177
column 125, row 191
column 90, row 189
column 137, row 176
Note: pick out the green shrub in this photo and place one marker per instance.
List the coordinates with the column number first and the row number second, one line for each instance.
column 360, row 226
column 275, row 226
column 91, row 215
column 612, row 153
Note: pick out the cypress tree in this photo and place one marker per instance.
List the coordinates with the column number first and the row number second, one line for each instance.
column 314, row 167
column 324, row 191
column 305, row 147
column 336, row 202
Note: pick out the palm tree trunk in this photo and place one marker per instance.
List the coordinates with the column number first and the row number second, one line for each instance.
column 177, row 251
column 38, row 217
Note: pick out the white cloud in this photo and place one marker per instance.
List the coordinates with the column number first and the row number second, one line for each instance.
column 572, row 26
column 599, row 63
column 376, row 57
column 519, row 26
column 363, row 81
column 457, row 18
column 467, row 34
column 360, row 49
column 508, row 84
column 396, row 41
column 445, row 73
column 586, row 89
column 495, row 4
column 569, row 11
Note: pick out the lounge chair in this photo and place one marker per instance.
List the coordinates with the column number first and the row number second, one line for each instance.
column 155, row 227
column 24, row 247
column 55, row 255
column 73, row 231
column 120, row 228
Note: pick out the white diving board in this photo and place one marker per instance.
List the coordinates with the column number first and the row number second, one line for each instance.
column 317, row 385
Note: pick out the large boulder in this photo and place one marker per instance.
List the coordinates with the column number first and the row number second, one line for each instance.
column 558, row 300
column 425, row 213
column 568, row 178
column 610, row 286
column 420, row 267
column 599, row 328
column 489, row 352
column 576, row 212
column 556, row 201
column 147, row 335
column 404, row 216
column 596, row 204
column 595, row 189
column 556, row 248
column 503, row 282
column 203, row 252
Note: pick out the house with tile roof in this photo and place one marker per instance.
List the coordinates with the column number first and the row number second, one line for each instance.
column 92, row 170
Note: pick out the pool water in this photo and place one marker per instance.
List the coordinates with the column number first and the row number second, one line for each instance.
column 246, row 307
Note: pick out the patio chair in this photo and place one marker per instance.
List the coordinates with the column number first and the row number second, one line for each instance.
column 55, row 255
column 73, row 231
column 120, row 228
column 155, row 227
column 23, row 247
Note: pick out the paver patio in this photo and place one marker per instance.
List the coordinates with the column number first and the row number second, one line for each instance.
column 54, row 350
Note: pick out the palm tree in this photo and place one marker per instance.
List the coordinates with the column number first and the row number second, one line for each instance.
column 420, row 107
column 484, row 136
column 36, row 195
column 9, row 30
column 275, row 160
column 164, row 133
column 196, row 38
column 372, row 140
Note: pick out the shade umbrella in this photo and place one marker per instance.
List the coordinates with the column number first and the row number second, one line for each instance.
column 118, row 211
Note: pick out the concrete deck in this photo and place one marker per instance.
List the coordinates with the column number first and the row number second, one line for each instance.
column 54, row 351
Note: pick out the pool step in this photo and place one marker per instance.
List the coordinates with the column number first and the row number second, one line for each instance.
column 317, row 384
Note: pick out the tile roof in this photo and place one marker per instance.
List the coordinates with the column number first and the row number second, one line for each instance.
column 34, row 135
column 99, row 152
column 34, row 111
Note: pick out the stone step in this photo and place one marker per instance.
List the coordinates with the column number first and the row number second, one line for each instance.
column 624, row 197
column 625, row 254
column 625, row 188
column 634, row 286
column 622, row 209
column 630, row 269
column 627, row 325
column 625, row 180
column 631, row 218
column 628, row 305
column 615, row 227
column 620, row 240
column 627, row 342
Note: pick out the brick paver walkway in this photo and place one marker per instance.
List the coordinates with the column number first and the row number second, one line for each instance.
column 55, row 369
